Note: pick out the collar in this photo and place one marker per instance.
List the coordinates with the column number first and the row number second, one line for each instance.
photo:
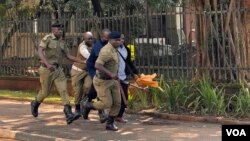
column 121, row 46
column 112, row 48
column 103, row 42
column 84, row 43
column 54, row 37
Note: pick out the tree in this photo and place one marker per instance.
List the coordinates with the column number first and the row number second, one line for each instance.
column 219, row 44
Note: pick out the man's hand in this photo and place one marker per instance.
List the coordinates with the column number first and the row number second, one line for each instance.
column 74, row 59
column 114, row 76
column 51, row 67
column 136, row 76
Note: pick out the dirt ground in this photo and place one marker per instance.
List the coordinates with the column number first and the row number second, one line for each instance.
column 15, row 115
column 4, row 139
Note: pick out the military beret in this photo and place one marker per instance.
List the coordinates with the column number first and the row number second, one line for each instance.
column 57, row 25
column 114, row 35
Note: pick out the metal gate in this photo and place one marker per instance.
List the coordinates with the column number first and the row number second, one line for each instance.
column 177, row 41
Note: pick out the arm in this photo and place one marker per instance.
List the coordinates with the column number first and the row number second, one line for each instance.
column 73, row 58
column 41, row 56
column 44, row 61
column 102, row 69
column 65, row 50
column 104, row 57
column 130, row 63
column 84, row 51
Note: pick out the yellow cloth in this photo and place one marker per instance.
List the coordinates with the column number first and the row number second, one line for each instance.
column 147, row 80
column 132, row 51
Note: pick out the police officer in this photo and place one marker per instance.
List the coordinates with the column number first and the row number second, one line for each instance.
column 50, row 50
column 92, row 70
column 106, row 80
column 80, row 78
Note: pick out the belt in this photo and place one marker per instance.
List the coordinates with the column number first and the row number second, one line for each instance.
column 76, row 68
column 55, row 64
column 103, row 77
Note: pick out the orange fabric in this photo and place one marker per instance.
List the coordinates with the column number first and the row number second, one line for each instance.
column 147, row 80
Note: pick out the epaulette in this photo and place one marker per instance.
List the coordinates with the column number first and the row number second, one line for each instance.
column 49, row 36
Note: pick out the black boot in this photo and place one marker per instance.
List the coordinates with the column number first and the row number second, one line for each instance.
column 87, row 106
column 102, row 116
column 78, row 110
column 34, row 108
column 70, row 117
column 110, row 124
column 85, row 111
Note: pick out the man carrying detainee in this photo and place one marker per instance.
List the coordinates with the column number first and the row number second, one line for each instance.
column 106, row 80
column 50, row 51
column 92, row 71
column 80, row 78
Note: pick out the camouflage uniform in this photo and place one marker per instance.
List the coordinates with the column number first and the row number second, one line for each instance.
column 80, row 77
column 108, row 91
column 53, row 50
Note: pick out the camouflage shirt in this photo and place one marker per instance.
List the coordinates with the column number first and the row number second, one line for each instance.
column 108, row 57
column 54, row 48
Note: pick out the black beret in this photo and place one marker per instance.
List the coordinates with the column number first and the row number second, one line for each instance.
column 114, row 35
column 57, row 25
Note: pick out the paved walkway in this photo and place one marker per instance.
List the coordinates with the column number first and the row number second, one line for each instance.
column 17, row 122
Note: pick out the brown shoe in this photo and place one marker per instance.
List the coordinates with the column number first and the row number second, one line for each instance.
column 120, row 119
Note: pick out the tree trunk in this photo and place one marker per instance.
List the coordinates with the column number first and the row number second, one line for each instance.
column 217, row 48
column 97, row 7
column 245, row 39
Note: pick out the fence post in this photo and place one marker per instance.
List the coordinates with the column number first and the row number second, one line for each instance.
column 1, row 59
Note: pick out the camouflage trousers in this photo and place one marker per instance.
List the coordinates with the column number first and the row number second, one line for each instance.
column 47, row 78
column 108, row 93
column 81, row 83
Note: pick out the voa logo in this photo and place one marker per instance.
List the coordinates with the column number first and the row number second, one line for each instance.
column 236, row 132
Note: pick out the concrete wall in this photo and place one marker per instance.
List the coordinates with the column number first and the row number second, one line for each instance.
column 26, row 84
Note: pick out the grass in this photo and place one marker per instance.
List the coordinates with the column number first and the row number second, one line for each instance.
column 212, row 98
column 28, row 96
column 176, row 95
column 242, row 105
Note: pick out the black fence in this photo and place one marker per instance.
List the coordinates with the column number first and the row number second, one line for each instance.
column 179, row 42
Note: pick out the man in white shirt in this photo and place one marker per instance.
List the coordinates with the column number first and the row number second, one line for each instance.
column 126, row 67
column 80, row 78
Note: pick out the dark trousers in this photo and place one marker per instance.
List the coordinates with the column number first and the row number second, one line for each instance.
column 92, row 93
column 123, row 106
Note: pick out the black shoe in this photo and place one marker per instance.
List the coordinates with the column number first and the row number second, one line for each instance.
column 102, row 116
column 87, row 106
column 70, row 117
column 110, row 124
column 77, row 111
column 85, row 113
column 34, row 108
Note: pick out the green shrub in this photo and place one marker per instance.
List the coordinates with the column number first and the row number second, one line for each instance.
column 158, row 97
column 138, row 100
column 176, row 95
column 212, row 99
column 193, row 103
column 184, row 97
column 242, row 104
column 131, row 101
column 143, row 99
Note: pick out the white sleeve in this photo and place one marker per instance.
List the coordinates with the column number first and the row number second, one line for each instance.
column 84, row 51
